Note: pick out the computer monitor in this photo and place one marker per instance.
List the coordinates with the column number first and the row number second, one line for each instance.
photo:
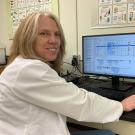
column 110, row 55
column 3, row 56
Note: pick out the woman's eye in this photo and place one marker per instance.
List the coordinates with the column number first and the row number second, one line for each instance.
column 57, row 34
column 43, row 33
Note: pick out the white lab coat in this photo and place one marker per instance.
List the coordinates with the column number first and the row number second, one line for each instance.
column 34, row 100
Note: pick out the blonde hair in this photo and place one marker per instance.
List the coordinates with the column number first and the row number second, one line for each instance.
column 25, row 36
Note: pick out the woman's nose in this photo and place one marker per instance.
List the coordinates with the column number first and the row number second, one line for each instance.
column 52, row 38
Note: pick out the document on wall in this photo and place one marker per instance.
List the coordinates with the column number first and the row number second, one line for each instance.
column 131, row 13
column 116, row 12
column 105, row 14
column 119, row 1
column 119, row 14
column 102, row 2
column 19, row 9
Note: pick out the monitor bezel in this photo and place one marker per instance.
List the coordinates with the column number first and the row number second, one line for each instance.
column 99, row 74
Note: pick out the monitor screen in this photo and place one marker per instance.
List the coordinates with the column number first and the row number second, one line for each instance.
column 109, row 55
column 3, row 56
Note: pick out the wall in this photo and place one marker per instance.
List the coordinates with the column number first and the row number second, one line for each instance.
column 4, row 38
column 67, row 11
column 87, row 16
column 77, row 18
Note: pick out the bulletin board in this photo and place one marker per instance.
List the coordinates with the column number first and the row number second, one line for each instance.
column 19, row 9
column 115, row 13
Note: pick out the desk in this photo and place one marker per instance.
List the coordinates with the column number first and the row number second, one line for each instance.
column 121, row 127
column 125, row 126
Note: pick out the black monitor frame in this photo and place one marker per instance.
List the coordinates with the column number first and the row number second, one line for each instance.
column 115, row 83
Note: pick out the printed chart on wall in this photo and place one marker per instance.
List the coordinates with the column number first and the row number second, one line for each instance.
column 116, row 12
column 19, row 9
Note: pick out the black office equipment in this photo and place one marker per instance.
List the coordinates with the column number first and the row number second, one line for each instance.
column 91, row 85
column 3, row 56
column 111, row 55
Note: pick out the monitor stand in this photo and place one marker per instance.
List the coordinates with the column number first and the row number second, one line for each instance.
column 116, row 84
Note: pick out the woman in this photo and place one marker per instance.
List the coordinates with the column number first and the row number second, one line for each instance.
column 34, row 99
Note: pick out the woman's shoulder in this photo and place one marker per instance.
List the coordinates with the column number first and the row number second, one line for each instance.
column 29, row 62
column 20, row 64
column 32, row 66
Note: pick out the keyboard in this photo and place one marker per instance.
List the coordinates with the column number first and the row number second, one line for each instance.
column 92, row 86
column 111, row 94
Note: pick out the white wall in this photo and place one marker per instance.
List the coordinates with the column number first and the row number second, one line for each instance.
column 4, row 36
column 67, row 11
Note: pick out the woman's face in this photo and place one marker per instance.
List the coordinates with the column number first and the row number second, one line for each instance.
column 47, row 44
